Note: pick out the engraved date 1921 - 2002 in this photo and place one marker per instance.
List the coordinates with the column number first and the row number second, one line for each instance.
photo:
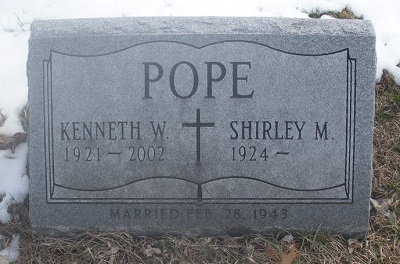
column 133, row 153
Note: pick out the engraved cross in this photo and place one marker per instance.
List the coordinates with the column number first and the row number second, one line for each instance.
column 197, row 125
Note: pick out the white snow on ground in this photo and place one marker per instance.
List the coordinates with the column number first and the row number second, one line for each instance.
column 13, row 179
column 11, row 253
column 16, row 17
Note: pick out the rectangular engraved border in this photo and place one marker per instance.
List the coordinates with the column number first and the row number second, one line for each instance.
column 348, row 168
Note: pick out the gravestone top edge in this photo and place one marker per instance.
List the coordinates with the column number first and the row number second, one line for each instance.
column 198, row 25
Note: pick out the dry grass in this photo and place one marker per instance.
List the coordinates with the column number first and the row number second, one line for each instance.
column 11, row 142
column 381, row 246
column 344, row 14
column 387, row 139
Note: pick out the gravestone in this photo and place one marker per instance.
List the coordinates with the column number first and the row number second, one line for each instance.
column 201, row 126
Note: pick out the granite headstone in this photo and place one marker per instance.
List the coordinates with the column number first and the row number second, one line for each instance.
column 201, row 125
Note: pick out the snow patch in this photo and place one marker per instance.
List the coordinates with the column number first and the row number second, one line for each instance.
column 14, row 183
column 11, row 253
